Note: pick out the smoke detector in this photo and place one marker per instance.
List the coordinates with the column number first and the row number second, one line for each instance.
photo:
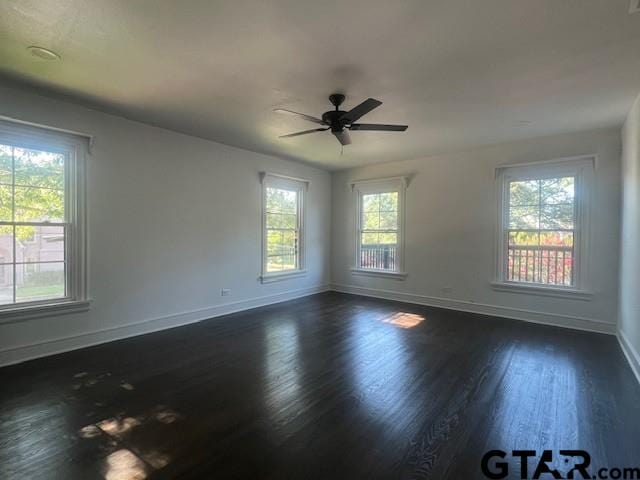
column 634, row 6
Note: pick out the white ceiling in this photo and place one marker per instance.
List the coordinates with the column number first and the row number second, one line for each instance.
column 460, row 73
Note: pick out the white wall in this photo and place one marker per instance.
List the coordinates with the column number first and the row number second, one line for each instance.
column 172, row 220
column 629, row 325
column 450, row 232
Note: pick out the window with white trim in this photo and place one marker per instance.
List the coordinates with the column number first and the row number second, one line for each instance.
column 379, row 226
column 282, row 221
column 41, row 218
column 543, row 224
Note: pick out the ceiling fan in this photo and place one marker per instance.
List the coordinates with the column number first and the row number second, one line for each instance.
column 339, row 121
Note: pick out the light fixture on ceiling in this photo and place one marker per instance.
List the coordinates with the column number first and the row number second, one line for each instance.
column 43, row 53
column 634, row 6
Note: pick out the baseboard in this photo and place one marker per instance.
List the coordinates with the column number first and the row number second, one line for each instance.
column 633, row 357
column 557, row 320
column 23, row 353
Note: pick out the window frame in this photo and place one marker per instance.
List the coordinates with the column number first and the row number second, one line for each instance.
column 75, row 148
column 583, row 169
column 301, row 187
column 377, row 186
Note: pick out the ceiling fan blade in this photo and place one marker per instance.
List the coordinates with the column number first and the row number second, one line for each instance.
column 343, row 137
column 305, row 132
column 362, row 109
column 306, row 117
column 379, row 127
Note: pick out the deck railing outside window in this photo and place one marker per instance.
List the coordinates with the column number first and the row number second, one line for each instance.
column 549, row 265
column 378, row 257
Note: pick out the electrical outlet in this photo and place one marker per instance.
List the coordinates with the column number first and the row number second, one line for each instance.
column 225, row 292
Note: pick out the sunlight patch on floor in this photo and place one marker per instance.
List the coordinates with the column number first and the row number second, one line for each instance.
column 124, row 465
column 117, row 426
column 90, row 431
column 404, row 319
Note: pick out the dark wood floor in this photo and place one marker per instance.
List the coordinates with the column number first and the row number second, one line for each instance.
column 327, row 387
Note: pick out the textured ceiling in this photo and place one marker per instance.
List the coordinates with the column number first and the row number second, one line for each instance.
column 459, row 73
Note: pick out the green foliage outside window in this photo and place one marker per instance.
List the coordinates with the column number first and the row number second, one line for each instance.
column 31, row 188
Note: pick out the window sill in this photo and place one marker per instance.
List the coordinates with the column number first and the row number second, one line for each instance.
column 36, row 310
column 277, row 277
column 559, row 292
column 379, row 273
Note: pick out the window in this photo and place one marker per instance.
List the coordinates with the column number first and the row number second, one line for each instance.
column 41, row 222
column 283, row 233
column 379, row 241
column 543, row 224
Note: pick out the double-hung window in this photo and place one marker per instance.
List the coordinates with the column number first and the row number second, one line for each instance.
column 41, row 219
column 379, row 226
column 282, row 227
column 543, row 224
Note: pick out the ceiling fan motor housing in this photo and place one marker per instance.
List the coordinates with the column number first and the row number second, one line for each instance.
column 332, row 118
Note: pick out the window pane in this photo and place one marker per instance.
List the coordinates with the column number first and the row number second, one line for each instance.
column 6, row 243
column 282, row 250
column 6, row 164
column 281, row 220
column 388, row 239
column 558, row 190
column 389, row 201
column 523, row 217
column 39, row 204
column 39, row 169
column 39, row 281
column 289, row 238
column 524, row 238
column 558, row 239
column 281, row 263
column 371, row 203
column 556, row 216
column 289, row 262
column 39, row 244
column 281, row 201
column 370, row 238
column 6, row 203
column 6, row 284
column 524, row 192
column 371, row 221
column 274, row 239
column 388, row 220
column 274, row 263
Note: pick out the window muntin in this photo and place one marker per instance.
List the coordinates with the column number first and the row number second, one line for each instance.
column 378, row 235
column 282, row 223
column 33, row 224
column 541, row 230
